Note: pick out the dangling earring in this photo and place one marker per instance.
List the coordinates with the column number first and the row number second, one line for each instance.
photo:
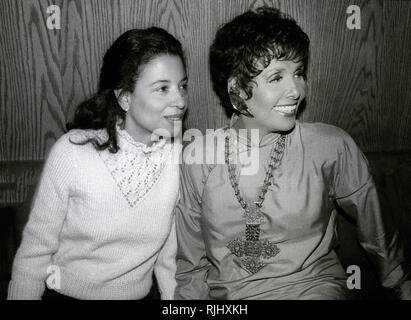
column 238, row 103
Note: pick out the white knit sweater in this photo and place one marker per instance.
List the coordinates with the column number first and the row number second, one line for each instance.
column 101, row 223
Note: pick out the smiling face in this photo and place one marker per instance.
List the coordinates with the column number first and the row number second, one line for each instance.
column 277, row 93
column 158, row 101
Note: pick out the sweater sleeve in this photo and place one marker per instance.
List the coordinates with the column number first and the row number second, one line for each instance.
column 165, row 267
column 356, row 194
column 41, row 234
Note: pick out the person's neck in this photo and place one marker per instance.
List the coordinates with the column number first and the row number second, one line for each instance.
column 249, row 124
column 145, row 139
column 140, row 136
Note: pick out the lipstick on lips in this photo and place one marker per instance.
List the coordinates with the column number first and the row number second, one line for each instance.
column 175, row 117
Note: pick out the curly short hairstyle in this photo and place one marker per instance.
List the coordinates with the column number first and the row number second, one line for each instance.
column 255, row 36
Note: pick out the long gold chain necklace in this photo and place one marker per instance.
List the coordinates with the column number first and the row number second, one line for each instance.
column 251, row 250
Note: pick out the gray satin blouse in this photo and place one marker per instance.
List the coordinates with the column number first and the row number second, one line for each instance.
column 320, row 164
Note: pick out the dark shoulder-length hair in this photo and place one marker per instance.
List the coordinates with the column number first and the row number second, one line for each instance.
column 255, row 36
column 122, row 65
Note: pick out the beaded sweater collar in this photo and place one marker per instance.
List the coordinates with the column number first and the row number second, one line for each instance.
column 136, row 167
column 125, row 138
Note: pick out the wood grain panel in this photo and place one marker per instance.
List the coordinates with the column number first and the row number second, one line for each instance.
column 338, row 72
column 394, row 77
column 31, row 92
column 359, row 79
column 20, row 181
column 203, row 111
column 89, row 30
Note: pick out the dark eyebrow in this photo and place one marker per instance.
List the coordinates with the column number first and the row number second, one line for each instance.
column 268, row 73
column 166, row 81
column 159, row 81
column 276, row 70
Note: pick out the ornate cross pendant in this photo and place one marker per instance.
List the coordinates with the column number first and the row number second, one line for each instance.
column 253, row 214
column 251, row 250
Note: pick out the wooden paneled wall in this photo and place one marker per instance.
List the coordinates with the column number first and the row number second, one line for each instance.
column 359, row 79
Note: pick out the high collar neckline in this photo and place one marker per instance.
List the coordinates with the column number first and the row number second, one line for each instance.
column 125, row 137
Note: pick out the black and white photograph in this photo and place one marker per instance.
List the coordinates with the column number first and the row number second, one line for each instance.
column 217, row 151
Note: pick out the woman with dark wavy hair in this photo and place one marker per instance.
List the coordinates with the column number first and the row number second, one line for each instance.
column 102, row 220
column 269, row 234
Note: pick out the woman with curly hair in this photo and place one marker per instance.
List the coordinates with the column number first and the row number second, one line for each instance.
column 102, row 219
column 270, row 234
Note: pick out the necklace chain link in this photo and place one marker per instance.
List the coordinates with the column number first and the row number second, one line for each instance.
column 252, row 250
column 275, row 159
